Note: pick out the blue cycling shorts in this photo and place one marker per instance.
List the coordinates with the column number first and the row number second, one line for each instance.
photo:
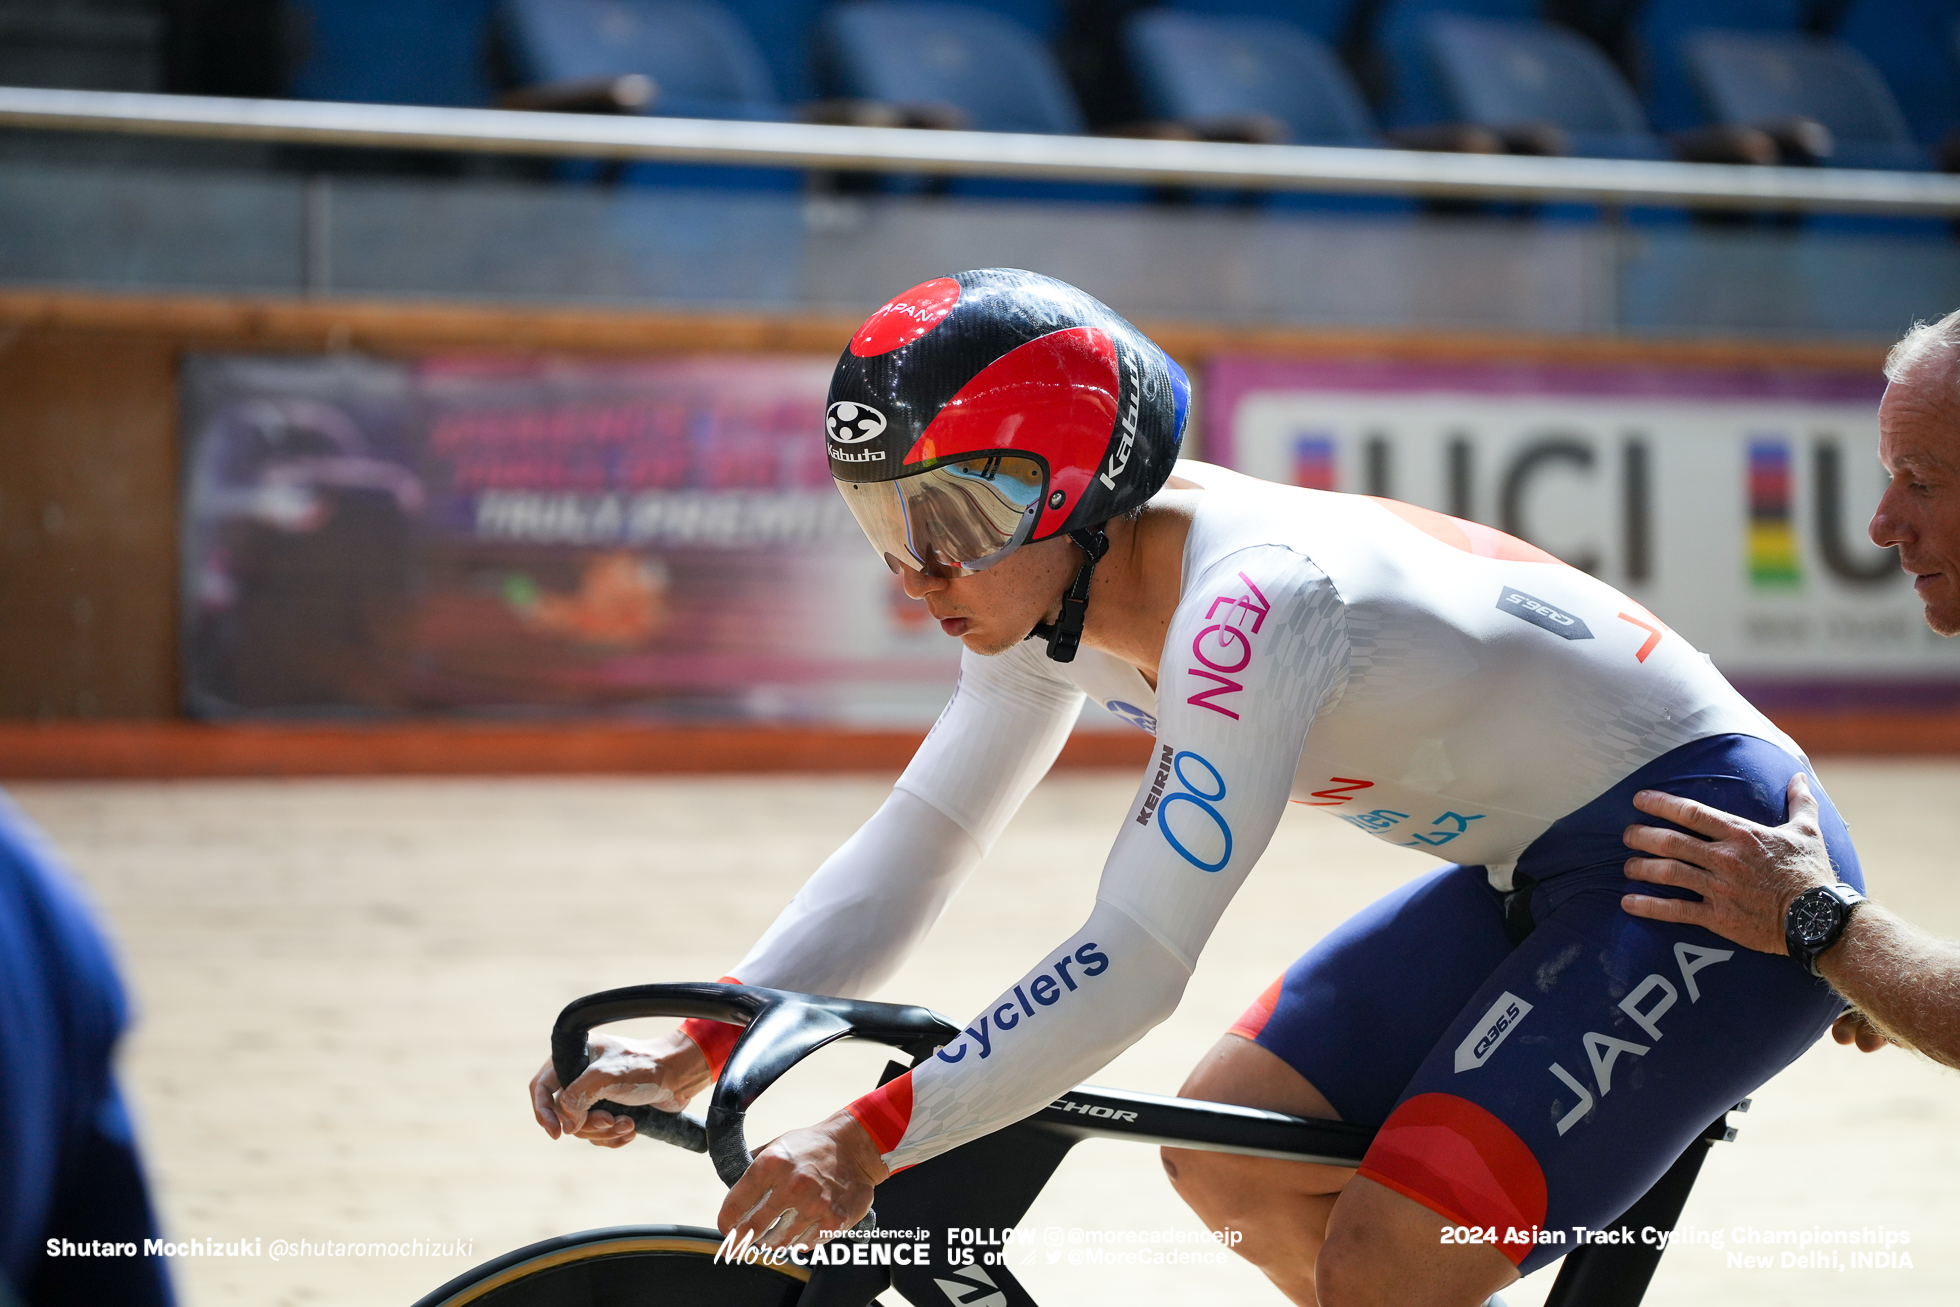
column 1541, row 1081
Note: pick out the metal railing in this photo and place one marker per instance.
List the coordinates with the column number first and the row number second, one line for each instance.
column 987, row 154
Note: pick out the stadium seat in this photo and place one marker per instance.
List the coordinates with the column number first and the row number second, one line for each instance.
column 1326, row 19
column 701, row 62
column 781, row 30
column 1915, row 45
column 992, row 71
column 1042, row 17
column 784, row 31
column 1662, row 26
column 395, row 51
column 955, row 65
column 689, row 58
column 1228, row 76
column 1401, row 73
column 1789, row 84
column 1545, row 89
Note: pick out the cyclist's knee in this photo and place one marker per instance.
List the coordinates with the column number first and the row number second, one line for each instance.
column 1384, row 1250
column 1197, row 1179
column 1361, row 1268
column 1354, row 1266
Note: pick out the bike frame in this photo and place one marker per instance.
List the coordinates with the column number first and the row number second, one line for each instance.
column 989, row 1183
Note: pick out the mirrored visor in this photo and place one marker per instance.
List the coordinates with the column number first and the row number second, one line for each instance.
column 954, row 519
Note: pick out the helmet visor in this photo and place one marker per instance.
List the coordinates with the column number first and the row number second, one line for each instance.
column 954, row 519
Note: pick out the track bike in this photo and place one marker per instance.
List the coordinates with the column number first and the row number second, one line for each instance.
column 984, row 1185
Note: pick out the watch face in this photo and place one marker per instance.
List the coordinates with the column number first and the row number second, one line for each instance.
column 1814, row 915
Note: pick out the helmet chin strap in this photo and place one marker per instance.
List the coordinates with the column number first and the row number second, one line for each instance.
column 1064, row 634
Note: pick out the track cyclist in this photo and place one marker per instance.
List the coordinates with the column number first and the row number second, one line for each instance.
column 1534, row 1056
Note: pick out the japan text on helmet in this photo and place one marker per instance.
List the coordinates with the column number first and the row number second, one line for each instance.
column 987, row 410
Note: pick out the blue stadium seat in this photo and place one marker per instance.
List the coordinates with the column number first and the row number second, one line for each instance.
column 1410, row 95
column 1915, row 45
column 1662, row 26
column 1042, row 17
column 394, row 52
column 1749, row 78
column 1220, row 74
column 989, row 67
column 1504, row 75
column 703, row 64
column 782, row 32
column 1326, row 19
column 1202, row 68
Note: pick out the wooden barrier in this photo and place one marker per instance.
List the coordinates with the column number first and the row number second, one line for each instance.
column 195, row 750
column 184, row 750
column 88, row 524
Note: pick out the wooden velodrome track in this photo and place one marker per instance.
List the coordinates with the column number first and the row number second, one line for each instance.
column 343, row 985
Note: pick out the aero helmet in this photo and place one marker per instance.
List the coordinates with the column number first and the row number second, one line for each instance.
column 987, row 410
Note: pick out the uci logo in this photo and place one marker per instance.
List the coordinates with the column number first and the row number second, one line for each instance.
column 850, row 423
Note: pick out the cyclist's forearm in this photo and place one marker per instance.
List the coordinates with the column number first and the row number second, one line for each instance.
column 1106, row 986
column 1904, row 980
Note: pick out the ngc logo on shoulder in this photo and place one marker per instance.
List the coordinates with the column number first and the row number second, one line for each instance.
column 851, row 423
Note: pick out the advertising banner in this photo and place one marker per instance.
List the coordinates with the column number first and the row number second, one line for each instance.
column 1731, row 502
column 657, row 538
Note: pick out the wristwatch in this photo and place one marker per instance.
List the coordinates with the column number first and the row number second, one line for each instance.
column 1816, row 920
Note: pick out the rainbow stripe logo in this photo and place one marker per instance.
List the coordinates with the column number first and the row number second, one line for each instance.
column 1773, row 561
column 1313, row 460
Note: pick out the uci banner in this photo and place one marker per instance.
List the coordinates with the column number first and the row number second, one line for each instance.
column 1731, row 502
column 657, row 538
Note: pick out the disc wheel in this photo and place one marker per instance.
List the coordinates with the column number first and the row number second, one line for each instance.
column 629, row 1266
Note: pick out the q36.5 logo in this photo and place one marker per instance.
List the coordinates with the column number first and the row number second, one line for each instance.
column 1189, row 815
column 851, row 423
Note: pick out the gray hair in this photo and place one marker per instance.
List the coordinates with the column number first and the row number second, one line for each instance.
column 1924, row 340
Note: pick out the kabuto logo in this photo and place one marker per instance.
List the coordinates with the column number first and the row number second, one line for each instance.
column 1493, row 1030
column 1121, row 458
column 851, row 423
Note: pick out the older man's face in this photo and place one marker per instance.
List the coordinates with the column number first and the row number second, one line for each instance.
column 1919, row 444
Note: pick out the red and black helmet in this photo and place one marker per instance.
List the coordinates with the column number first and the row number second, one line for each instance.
column 983, row 411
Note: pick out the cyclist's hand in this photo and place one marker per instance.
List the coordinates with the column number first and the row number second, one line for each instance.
column 805, row 1183
column 1855, row 1028
column 663, row 1073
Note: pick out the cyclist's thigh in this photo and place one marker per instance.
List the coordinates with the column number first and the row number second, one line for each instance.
column 1736, row 773
column 1594, row 1053
column 1358, row 1012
